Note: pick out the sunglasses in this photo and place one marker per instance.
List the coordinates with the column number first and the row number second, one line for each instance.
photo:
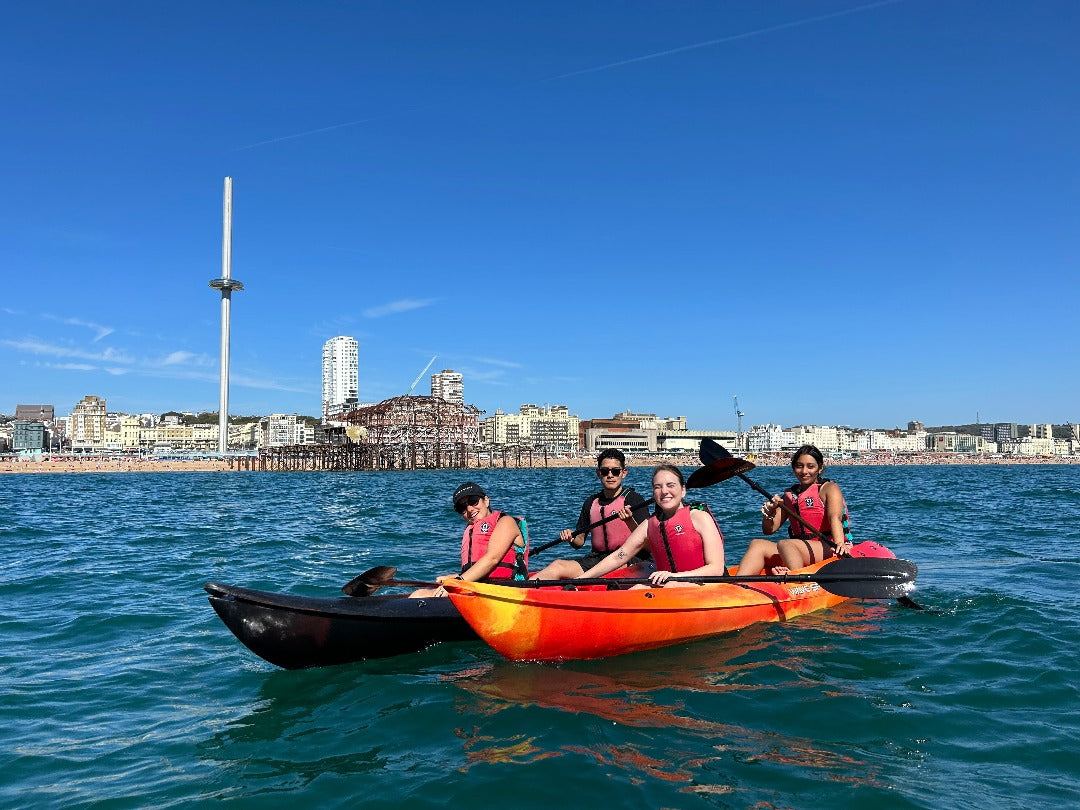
column 464, row 503
column 604, row 472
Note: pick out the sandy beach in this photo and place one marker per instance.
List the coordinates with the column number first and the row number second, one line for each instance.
column 135, row 465
column 78, row 465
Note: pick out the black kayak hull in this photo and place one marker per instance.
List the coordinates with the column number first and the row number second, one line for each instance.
column 298, row 632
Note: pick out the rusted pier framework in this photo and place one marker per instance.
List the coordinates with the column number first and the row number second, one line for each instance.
column 364, row 456
column 403, row 433
column 416, row 432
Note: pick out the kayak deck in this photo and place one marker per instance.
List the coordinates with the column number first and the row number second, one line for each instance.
column 556, row 624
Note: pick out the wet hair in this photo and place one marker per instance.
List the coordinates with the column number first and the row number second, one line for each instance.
column 612, row 453
column 808, row 450
column 671, row 468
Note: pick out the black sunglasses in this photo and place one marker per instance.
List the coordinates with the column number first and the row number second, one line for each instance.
column 460, row 506
column 604, row 472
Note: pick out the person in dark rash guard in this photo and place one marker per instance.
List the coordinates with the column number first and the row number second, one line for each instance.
column 614, row 497
column 684, row 539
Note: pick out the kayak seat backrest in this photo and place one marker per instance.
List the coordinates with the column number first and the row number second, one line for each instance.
column 521, row 550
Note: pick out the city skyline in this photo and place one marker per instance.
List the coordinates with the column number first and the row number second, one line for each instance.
column 827, row 208
column 909, row 425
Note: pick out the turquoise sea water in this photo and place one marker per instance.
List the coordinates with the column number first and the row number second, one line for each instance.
column 121, row 688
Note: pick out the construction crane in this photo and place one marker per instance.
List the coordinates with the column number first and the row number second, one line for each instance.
column 738, row 416
column 421, row 374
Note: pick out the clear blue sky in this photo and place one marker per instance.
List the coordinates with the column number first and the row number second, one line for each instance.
column 843, row 213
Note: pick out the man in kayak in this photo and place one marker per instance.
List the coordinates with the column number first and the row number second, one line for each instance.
column 615, row 498
column 683, row 539
column 492, row 546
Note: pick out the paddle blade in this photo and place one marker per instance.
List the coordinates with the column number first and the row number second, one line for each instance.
column 711, row 450
column 867, row 577
column 370, row 581
column 720, row 470
column 908, row 602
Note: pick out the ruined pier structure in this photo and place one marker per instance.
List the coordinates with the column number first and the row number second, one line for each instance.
column 403, row 433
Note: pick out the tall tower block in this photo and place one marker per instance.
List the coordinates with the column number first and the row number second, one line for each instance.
column 226, row 284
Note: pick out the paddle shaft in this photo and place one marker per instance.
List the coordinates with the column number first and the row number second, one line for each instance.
column 791, row 513
column 780, row 579
column 864, row 578
column 699, row 479
column 590, row 527
column 720, row 451
column 560, row 583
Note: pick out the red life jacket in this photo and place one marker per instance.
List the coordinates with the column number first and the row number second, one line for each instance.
column 808, row 505
column 675, row 543
column 474, row 544
column 608, row 536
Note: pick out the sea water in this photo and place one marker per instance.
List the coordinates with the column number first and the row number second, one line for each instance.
column 119, row 686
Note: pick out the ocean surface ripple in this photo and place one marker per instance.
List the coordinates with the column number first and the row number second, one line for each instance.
column 121, row 687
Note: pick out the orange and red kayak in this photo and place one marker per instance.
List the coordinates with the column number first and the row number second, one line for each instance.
column 556, row 624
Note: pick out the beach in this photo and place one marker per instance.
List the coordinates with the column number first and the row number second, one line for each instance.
column 75, row 464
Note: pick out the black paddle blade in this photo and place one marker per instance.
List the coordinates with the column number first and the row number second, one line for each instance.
column 370, row 581
column 711, row 450
column 720, row 470
column 908, row 602
column 867, row 577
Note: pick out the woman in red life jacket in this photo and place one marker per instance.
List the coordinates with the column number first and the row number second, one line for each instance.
column 819, row 502
column 613, row 499
column 684, row 541
column 489, row 544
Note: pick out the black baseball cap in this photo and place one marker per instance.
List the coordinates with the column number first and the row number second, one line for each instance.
column 466, row 490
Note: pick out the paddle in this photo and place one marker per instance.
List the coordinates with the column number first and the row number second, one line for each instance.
column 850, row 577
column 370, row 581
column 713, row 473
column 712, row 451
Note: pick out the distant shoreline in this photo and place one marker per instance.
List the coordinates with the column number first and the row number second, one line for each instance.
column 136, row 465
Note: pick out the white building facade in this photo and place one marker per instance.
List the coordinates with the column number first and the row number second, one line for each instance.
column 284, row 430
column 448, row 386
column 764, row 439
column 551, row 427
column 88, row 424
column 340, row 375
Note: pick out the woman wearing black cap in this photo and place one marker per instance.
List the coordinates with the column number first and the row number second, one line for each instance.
column 490, row 544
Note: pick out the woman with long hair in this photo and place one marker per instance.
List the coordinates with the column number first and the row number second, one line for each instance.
column 815, row 499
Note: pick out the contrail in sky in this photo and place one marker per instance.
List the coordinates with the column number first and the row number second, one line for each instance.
column 708, row 43
column 611, row 65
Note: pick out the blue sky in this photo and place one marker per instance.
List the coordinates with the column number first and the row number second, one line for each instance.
column 843, row 213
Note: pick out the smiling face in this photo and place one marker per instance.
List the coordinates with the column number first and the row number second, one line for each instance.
column 473, row 508
column 668, row 491
column 807, row 469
